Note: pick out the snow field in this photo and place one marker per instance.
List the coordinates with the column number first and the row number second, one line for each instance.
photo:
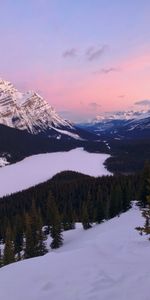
column 109, row 261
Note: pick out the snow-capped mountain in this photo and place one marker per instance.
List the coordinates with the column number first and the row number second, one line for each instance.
column 120, row 124
column 120, row 115
column 27, row 111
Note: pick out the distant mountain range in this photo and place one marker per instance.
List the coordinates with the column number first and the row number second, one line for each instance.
column 120, row 115
column 119, row 125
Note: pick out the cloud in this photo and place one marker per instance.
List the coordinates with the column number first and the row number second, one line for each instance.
column 121, row 96
column 70, row 53
column 94, row 105
column 94, row 53
column 107, row 71
column 143, row 102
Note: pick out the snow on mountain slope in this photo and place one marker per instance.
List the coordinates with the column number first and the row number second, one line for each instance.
column 28, row 111
column 121, row 115
column 39, row 168
column 125, row 124
column 71, row 134
column 109, row 261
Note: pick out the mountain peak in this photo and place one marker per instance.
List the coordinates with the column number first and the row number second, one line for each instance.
column 27, row 111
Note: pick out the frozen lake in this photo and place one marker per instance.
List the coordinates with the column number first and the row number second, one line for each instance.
column 39, row 168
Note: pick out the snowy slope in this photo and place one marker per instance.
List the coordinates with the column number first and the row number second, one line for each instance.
column 39, row 168
column 109, row 261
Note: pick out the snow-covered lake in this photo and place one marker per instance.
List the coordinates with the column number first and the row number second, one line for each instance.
column 39, row 168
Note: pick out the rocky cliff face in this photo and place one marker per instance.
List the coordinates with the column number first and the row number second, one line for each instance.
column 27, row 111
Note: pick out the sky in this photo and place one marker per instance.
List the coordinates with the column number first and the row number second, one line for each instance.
column 84, row 56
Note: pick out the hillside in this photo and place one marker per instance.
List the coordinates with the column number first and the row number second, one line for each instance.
column 109, row 261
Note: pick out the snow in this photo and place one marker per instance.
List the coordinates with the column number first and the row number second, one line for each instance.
column 122, row 115
column 3, row 162
column 109, row 261
column 71, row 134
column 39, row 168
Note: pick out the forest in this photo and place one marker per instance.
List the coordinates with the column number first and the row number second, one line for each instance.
column 27, row 218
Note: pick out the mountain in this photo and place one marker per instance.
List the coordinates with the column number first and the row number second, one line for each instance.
column 31, row 112
column 109, row 261
column 120, row 125
column 27, row 111
column 126, row 136
column 119, row 115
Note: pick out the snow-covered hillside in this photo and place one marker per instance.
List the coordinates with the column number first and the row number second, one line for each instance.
column 39, row 168
column 109, row 261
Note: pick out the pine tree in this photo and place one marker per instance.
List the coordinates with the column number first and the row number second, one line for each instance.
column 56, row 234
column 1, row 258
column 9, row 251
column 116, row 201
column 144, row 186
column 68, row 217
column 18, row 237
column 56, row 226
column 31, row 234
column 29, row 250
column 85, row 217
column 146, row 214
column 41, row 247
column 99, row 210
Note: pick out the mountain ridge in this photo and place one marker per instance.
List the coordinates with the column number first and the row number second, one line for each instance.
column 27, row 111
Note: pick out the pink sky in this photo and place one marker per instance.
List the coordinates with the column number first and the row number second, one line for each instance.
column 99, row 89
column 84, row 57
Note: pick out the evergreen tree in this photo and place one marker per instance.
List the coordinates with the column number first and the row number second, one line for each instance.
column 9, row 251
column 85, row 217
column 99, row 211
column 116, row 201
column 18, row 237
column 1, row 258
column 68, row 217
column 56, row 227
column 29, row 250
column 41, row 247
column 31, row 234
column 144, row 186
column 146, row 214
